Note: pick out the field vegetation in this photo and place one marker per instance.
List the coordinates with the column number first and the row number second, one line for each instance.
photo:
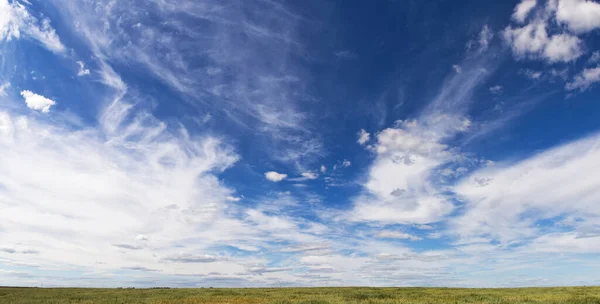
column 562, row 295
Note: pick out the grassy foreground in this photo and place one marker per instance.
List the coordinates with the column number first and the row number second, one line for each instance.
column 579, row 295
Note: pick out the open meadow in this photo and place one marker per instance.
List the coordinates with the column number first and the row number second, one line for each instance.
column 562, row 295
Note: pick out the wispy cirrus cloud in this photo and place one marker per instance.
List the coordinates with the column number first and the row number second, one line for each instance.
column 16, row 20
column 246, row 59
column 505, row 202
column 3, row 87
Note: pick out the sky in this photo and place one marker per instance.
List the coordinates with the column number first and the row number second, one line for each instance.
column 198, row 143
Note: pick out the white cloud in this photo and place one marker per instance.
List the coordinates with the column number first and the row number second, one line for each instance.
column 343, row 164
column 3, row 88
column 399, row 187
column 252, row 92
column 37, row 102
column 483, row 40
column 323, row 169
column 580, row 16
column 424, row 227
column 15, row 20
column 585, row 79
column 304, row 176
column 566, row 242
column 398, row 235
column 398, row 180
column 363, row 137
column 485, row 37
column 464, row 125
column 148, row 186
column 563, row 48
column 233, row 198
column 523, row 9
column 82, row 70
column 532, row 41
column 457, row 68
column 505, row 202
column 496, row 90
column 274, row 176
column 128, row 194
column 94, row 189
column 531, row 74
column 309, row 175
column 400, row 139
column 595, row 57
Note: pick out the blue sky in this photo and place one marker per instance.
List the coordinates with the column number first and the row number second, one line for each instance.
column 299, row 143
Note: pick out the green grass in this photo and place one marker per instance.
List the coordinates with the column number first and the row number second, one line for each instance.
column 575, row 295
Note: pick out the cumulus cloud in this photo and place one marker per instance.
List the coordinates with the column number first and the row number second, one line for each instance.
column 15, row 20
column 563, row 47
column 541, row 39
column 532, row 41
column 37, row 102
column 523, row 9
column 323, row 169
column 579, row 16
column 398, row 187
column 585, row 79
column 398, row 179
column 363, row 137
column 274, row 176
column 82, row 70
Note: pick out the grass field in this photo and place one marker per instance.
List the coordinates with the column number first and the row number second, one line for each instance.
column 587, row 295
